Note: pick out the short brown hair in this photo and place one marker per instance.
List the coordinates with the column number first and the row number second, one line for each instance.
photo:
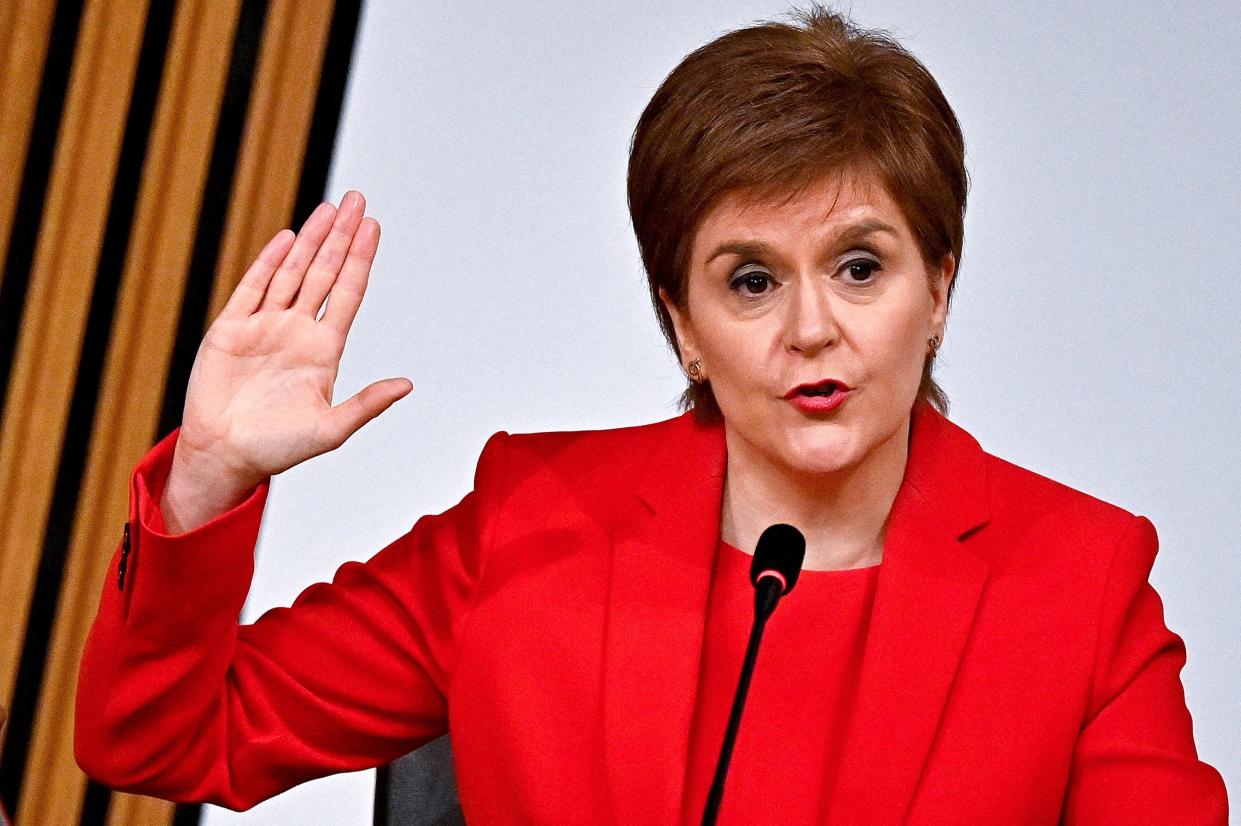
column 769, row 110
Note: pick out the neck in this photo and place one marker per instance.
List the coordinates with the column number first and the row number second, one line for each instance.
column 842, row 514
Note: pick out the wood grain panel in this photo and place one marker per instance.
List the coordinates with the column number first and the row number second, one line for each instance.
column 277, row 127
column 27, row 25
column 61, row 282
column 132, row 391
column 135, row 810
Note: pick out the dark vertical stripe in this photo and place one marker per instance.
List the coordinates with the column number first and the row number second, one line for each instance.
column 187, row 814
column 36, row 173
column 382, row 791
column 337, row 60
column 76, row 439
column 95, row 804
column 216, row 196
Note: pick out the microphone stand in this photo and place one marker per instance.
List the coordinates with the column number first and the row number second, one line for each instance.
column 767, row 594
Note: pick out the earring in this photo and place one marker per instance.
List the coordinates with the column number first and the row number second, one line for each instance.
column 695, row 370
column 934, row 342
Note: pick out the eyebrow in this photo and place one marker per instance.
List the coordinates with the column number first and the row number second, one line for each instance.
column 849, row 235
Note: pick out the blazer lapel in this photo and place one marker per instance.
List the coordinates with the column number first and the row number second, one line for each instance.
column 925, row 600
column 664, row 547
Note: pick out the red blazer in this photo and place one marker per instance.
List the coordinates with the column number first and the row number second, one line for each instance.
column 1018, row 668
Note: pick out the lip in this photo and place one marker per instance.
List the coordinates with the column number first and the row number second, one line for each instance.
column 819, row 404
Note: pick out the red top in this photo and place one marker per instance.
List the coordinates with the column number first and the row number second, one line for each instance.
column 800, row 696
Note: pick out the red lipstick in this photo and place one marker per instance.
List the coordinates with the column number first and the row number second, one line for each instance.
column 820, row 396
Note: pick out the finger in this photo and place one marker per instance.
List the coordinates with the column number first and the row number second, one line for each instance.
column 289, row 274
column 249, row 292
column 350, row 415
column 346, row 294
column 331, row 255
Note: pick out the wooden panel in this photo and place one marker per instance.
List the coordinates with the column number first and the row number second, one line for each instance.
column 61, row 283
column 27, row 25
column 277, row 127
column 134, row 810
column 132, row 390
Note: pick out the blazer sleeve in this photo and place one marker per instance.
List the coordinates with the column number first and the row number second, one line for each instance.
column 177, row 700
column 1135, row 759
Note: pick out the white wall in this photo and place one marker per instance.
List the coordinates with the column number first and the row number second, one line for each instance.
column 1093, row 336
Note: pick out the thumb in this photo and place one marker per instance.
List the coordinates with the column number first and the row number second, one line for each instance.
column 349, row 416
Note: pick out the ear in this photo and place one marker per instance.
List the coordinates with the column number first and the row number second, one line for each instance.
column 939, row 289
column 682, row 326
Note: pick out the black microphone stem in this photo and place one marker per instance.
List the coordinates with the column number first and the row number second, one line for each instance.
column 765, row 598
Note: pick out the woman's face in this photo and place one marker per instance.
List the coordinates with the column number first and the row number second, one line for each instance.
column 830, row 286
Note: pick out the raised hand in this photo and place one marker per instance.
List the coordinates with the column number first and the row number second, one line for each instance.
column 259, row 399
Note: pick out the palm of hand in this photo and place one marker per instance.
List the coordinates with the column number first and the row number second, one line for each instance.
column 259, row 399
column 274, row 373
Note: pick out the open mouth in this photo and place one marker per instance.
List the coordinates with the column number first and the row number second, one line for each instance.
column 825, row 389
column 819, row 397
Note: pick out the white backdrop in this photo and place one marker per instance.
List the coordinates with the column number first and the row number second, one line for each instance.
column 1093, row 336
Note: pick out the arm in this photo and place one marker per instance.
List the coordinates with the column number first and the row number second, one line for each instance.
column 1135, row 759
column 176, row 700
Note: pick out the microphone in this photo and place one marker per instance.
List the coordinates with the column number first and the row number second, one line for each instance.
column 774, row 571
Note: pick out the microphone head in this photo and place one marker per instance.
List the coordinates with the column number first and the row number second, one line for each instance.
column 780, row 553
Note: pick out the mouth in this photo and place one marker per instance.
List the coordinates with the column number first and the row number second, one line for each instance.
column 825, row 387
column 819, row 398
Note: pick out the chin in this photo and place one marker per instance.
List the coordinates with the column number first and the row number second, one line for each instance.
column 820, row 453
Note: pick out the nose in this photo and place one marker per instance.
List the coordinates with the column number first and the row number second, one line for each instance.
column 811, row 324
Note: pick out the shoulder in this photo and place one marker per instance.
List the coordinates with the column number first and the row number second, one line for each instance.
column 1019, row 491
column 958, row 474
column 572, row 446
column 579, row 460
column 1042, row 521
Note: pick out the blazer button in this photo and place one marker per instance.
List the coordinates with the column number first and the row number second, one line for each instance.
column 124, row 563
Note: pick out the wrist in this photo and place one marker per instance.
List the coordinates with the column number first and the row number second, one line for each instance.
column 199, row 488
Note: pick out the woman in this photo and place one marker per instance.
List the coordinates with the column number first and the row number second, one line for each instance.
column 969, row 642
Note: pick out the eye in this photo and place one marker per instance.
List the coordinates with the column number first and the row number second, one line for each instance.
column 863, row 269
column 751, row 282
